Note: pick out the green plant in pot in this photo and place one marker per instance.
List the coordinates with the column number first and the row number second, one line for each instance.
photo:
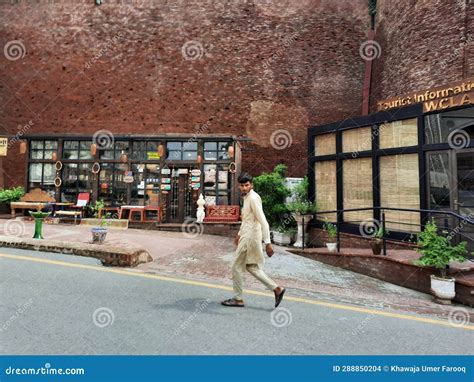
column 9, row 195
column 302, row 209
column 377, row 241
column 437, row 251
column 99, row 233
column 331, row 231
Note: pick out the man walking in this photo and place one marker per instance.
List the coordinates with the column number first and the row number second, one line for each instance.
column 249, row 256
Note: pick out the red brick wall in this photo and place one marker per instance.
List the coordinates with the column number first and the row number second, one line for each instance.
column 424, row 43
column 265, row 65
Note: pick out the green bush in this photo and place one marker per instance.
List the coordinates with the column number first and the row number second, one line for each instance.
column 437, row 250
column 301, row 204
column 95, row 208
column 272, row 189
column 11, row 194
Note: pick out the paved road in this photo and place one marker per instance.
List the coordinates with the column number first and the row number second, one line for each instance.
column 56, row 304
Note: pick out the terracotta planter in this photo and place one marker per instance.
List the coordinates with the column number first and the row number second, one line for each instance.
column 376, row 245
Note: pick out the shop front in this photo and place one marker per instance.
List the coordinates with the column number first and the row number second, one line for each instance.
column 170, row 171
column 413, row 159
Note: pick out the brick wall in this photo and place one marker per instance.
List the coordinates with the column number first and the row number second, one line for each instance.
column 249, row 67
column 424, row 43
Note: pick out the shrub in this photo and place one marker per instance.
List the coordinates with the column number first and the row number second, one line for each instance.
column 11, row 194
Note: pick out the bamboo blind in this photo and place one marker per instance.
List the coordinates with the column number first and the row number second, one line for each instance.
column 355, row 140
column 325, row 181
column 399, row 188
column 357, row 186
column 325, row 144
column 399, row 134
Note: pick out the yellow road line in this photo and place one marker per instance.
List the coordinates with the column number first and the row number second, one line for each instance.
column 253, row 292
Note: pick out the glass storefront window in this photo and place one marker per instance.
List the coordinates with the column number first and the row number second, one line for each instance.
column 400, row 188
column 77, row 150
column 398, row 134
column 216, row 150
column 41, row 175
column 76, row 178
column 43, row 149
column 357, row 186
column 112, row 188
column 440, row 127
column 182, row 151
column 115, row 151
column 439, row 173
column 356, row 140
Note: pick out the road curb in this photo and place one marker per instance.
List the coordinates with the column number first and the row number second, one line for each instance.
column 108, row 255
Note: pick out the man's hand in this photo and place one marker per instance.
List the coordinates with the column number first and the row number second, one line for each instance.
column 236, row 240
column 269, row 250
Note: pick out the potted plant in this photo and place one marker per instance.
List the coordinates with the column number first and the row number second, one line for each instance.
column 437, row 251
column 9, row 195
column 303, row 209
column 377, row 241
column 283, row 235
column 99, row 233
column 331, row 231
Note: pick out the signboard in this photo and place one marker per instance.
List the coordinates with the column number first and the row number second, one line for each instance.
column 195, row 186
column 166, row 171
column 195, row 172
column 165, row 180
column 3, row 146
column 440, row 98
column 128, row 177
column 182, row 171
column 166, row 187
column 195, row 178
column 153, row 155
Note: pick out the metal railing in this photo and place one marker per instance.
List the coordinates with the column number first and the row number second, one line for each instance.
column 425, row 215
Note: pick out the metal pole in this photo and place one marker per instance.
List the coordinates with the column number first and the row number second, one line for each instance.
column 302, row 237
column 383, row 236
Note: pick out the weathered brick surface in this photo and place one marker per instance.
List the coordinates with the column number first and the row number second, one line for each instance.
column 265, row 65
column 424, row 43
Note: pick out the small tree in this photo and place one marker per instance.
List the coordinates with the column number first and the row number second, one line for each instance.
column 437, row 250
column 272, row 189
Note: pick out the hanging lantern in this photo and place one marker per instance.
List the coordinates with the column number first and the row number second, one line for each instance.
column 54, row 156
column 230, row 151
column 123, row 157
column 199, row 159
column 161, row 150
column 23, row 147
column 93, row 149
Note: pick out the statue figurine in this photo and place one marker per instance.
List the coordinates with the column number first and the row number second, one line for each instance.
column 200, row 210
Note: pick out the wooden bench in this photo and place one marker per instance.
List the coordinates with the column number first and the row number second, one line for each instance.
column 36, row 199
column 222, row 214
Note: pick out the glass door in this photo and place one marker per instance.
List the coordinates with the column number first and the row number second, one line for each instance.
column 464, row 195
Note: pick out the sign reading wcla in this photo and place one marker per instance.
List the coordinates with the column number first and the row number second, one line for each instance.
column 458, row 94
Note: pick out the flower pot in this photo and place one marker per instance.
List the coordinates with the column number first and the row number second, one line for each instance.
column 376, row 245
column 98, row 235
column 443, row 289
column 281, row 238
column 332, row 247
column 299, row 220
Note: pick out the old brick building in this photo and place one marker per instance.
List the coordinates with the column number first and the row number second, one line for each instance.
column 253, row 74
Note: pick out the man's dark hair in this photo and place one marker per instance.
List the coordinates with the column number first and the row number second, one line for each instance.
column 245, row 177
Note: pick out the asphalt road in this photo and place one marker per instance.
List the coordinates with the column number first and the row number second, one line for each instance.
column 56, row 304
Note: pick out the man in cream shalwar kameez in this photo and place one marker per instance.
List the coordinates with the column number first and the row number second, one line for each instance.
column 253, row 230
